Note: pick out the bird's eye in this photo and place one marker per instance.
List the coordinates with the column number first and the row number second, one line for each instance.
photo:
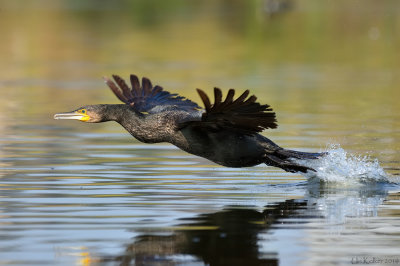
column 83, row 111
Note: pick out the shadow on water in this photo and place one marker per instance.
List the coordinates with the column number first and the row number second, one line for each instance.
column 242, row 235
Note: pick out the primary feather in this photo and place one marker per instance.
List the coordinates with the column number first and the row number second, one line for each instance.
column 144, row 97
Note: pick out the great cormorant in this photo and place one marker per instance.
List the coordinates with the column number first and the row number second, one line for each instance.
column 225, row 132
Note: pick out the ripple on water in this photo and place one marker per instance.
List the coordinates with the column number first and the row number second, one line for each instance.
column 100, row 197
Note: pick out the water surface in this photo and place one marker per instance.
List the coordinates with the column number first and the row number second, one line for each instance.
column 79, row 194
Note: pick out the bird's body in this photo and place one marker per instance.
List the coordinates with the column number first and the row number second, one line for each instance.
column 226, row 132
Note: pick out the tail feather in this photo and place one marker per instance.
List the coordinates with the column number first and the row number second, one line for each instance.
column 286, row 165
column 287, row 154
column 282, row 158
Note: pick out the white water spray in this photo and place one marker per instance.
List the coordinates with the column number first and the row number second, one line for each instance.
column 338, row 166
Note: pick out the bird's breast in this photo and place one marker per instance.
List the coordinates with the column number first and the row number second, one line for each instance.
column 225, row 148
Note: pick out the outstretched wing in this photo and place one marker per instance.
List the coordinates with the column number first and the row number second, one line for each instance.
column 243, row 114
column 144, row 97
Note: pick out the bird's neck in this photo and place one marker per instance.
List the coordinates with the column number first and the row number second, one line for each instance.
column 140, row 127
column 117, row 112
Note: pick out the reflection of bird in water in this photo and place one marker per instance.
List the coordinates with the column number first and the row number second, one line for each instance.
column 225, row 132
column 227, row 237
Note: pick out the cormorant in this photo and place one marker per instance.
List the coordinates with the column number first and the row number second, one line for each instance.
column 225, row 132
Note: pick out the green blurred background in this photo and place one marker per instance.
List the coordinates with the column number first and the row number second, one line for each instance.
column 328, row 64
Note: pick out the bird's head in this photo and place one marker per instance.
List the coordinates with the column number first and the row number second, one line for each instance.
column 90, row 113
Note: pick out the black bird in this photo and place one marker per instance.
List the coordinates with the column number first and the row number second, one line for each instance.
column 225, row 132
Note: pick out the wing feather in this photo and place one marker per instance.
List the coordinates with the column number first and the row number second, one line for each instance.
column 135, row 85
column 205, row 99
column 144, row 97
column 115, row 89
column 146, row 86
column 229, row 97
column 243, row 114
column 217, row 98
column 126, row 91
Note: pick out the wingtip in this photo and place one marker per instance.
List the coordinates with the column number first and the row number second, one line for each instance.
column 117, row 78
column 145, row 79
column 205, row 99
column 218, row 90
column 217, row 96
column 146, row 85
column 135, row 83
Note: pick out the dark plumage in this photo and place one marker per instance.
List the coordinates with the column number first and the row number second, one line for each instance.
column 225, row 132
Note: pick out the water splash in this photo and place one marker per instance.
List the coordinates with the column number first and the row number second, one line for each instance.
column 339, row 166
